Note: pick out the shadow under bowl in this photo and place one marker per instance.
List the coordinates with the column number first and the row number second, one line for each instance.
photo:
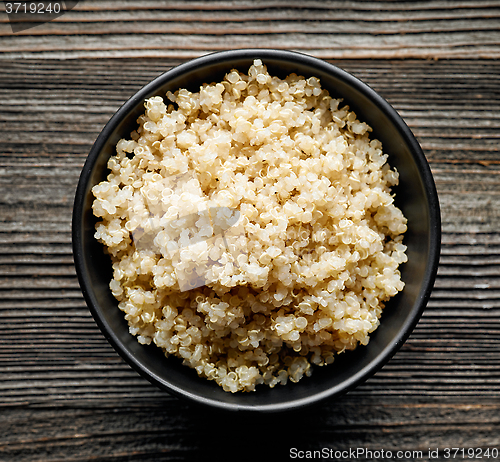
column 416, row 196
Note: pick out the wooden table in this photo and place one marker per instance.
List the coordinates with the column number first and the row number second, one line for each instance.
column 65, row 395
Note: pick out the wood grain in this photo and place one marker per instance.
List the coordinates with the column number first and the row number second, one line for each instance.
column 65, row 394
column 164, row 431
column 328, row 29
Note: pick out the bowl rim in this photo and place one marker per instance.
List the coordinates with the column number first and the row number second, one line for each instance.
column 396, row 120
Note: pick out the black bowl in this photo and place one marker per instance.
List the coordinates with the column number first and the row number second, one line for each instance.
column 416, row 196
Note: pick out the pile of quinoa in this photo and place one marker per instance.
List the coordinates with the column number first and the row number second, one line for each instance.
column 309, row 256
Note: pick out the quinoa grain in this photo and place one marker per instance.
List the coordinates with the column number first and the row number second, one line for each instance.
column 301, row 271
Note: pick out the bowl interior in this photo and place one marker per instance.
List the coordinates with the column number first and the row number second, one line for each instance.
column 415, row 195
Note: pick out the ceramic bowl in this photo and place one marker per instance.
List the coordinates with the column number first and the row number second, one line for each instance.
column 415, row 195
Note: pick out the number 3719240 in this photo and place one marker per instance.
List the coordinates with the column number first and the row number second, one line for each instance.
column 471, row 453
column 33, row 7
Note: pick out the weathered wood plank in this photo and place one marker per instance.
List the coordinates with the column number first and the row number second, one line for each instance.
column 169, row 432
column 436, row 29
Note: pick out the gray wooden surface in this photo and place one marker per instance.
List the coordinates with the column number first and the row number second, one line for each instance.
column 66, row 395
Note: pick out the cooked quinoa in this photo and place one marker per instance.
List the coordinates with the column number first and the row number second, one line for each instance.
column 309, row 252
